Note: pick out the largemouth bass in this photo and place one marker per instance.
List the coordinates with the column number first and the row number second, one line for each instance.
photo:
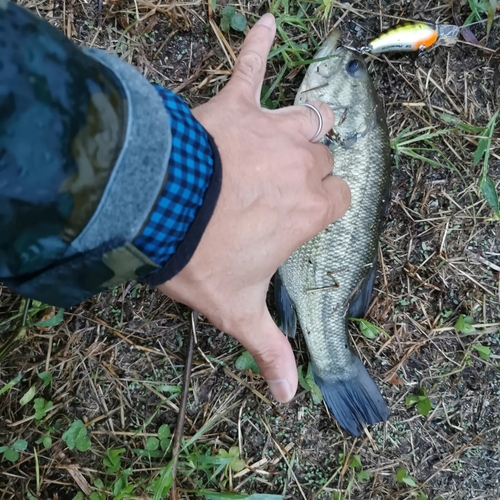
column 330, row 278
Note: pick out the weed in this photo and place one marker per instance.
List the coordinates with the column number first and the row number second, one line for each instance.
column 46, row 377
column 41, row 407
column 28, row 396
column 484, row 352
column 486, row 184
column 76, row 436
column 307, row 382
column 479, row 7
column 46, row 438
column 11, row 452
column 246, row 362
column 232, row 19
column 464, row 324
column 368, row 330
column 403, row 477
column 112, row 462
column 11, row 384
column 422, row 401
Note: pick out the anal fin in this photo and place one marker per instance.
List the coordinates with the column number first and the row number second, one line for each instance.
column 361, row 300
column 287, row 318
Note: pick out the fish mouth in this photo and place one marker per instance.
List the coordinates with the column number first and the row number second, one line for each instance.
column 331, row 44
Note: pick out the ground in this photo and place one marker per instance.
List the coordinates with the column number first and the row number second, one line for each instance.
column 116, row 361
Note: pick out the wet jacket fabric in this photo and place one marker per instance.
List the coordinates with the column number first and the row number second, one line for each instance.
column 104, row 178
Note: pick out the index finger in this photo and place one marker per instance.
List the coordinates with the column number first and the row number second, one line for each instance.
column 250, row 67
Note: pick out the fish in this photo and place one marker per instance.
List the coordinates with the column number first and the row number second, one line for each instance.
column 330, row 278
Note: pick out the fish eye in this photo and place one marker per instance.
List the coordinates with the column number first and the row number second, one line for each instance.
column 353, row 67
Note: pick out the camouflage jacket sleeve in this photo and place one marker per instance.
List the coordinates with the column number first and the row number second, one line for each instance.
column 85, row 151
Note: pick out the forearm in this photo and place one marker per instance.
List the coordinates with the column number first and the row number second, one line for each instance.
column 88, row 184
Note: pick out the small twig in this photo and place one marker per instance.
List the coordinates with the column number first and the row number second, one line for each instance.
column 194, row 76
column 182, row 405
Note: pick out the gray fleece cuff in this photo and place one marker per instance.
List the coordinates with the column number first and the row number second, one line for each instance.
column 141, row 169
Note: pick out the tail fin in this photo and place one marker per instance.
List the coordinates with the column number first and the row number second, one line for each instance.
column 355, row 401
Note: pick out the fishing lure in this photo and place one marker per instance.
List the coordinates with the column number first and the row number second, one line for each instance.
column 410, row 36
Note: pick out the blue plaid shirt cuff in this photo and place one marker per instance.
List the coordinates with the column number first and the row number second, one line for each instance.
column 189, row 193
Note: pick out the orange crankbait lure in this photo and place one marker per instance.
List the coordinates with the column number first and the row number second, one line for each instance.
column 410, row 36
column 413, row 36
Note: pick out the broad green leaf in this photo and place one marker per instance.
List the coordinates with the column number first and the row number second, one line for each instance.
column 409, row 481
column 234, row 452
column 46, row 377
column 400, row 474
column 367, row 329
column 20, row 445
column 76, row 436
column 362, row 475
column 238, row 22
column 246, row 362
column 307, row 382
column 225, row 24
column 237, row 464
column 152, row 443
column 355, row 462
column 47, row 442
column 490, row 195
column 228, row 11
column 422, row 401
column 411, row 399
column 164, row 432
column 3, row 448
column 79, row 496
column 11, row 455
column 41, row 407
column 484, row 352
column 28, row 396
column 54, row 321
column 464, row 324
column 402, row 477
column 424, row 405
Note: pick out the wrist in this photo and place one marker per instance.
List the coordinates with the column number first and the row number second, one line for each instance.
column 187, row 200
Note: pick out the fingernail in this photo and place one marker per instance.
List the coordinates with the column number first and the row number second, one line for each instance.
column 267, row 20
column 281, row 390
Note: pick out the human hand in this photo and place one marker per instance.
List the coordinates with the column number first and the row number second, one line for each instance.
column 277, row 193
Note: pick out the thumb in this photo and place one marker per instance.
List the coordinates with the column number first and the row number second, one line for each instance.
column 274, row 356
column 250, row 67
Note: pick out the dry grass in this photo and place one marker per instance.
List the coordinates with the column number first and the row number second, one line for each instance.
column 117, row 360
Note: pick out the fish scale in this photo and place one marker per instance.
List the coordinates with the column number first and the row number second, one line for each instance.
column 330, row 277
